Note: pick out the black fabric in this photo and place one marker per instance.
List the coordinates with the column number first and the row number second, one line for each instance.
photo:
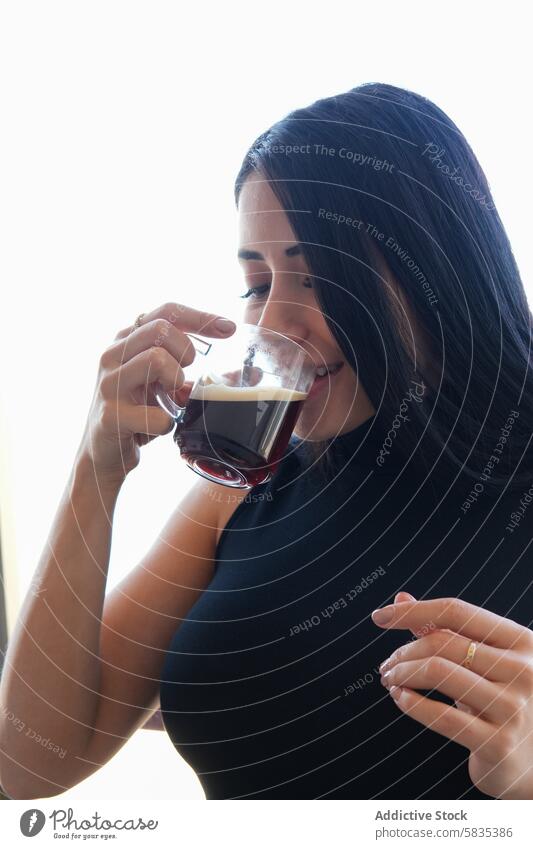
column 265, row 706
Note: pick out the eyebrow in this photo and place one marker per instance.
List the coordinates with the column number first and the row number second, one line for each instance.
column 293, row 250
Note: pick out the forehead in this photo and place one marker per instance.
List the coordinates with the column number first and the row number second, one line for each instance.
column 262, row 219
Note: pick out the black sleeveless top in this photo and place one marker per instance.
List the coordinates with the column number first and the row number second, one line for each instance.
column 270, row 688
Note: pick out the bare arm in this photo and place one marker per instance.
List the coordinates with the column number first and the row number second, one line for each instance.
column 142, row 614
column 94, row 678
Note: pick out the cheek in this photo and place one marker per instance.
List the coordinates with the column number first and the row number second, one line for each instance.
column 348, row 377
column 352, row 390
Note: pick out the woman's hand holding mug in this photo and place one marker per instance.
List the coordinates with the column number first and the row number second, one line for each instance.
column 124, row 412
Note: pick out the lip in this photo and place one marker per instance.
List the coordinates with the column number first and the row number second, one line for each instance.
column 321, row 382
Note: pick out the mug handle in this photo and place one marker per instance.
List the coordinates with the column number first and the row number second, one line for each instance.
column 163, row 398
column 169, row 406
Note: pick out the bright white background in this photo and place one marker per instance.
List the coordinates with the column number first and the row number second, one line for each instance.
column 123, row 125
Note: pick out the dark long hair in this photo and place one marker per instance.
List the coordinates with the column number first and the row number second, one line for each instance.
column 378, row 181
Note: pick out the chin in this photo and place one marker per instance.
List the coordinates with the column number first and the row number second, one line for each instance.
column 317, row 433
column 322, row 427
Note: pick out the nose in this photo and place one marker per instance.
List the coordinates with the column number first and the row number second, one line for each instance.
column 287, row 318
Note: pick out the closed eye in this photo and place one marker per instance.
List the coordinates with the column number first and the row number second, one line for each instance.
column 256, row 291
column 253, row 292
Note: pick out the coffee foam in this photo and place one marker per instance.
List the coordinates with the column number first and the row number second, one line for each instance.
column 223, row 392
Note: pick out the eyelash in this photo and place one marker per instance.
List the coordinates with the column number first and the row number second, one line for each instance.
column 249, row 292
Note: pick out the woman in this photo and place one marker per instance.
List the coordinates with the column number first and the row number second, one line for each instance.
column 369, row 235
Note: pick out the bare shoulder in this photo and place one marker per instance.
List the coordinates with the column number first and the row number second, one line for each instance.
column 225, row 500
column 206, row 508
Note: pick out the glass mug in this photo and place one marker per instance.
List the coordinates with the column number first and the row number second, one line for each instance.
column 243, row 407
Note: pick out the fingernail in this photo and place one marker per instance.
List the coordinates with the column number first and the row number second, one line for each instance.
column 395, row 692
column 383, row 615
column 386, row 678
column 404, row 593
column 224, row 325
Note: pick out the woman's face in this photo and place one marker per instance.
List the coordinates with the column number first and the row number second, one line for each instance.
column 285, row 301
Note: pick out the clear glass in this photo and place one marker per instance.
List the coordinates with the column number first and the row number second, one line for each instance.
column 243, row 406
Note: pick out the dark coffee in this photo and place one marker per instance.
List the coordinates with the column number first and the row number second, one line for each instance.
column 237, row 434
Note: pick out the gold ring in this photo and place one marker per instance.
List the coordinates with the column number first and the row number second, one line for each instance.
column 138, row 321
column 467, row 662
